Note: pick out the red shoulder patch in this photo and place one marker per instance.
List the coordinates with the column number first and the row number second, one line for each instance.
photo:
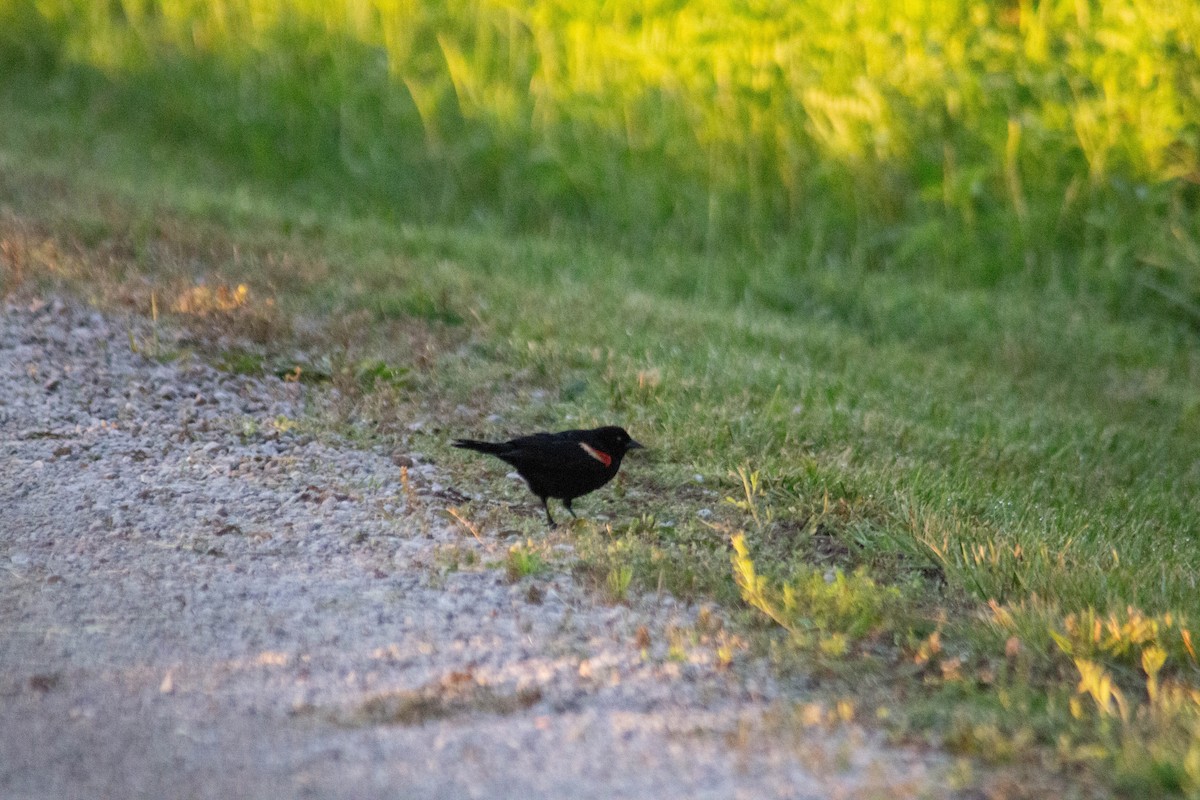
column 599, row 455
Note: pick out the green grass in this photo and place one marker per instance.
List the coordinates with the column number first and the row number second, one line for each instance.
column 523, row 561
column 968, row 496
column 1052, row 143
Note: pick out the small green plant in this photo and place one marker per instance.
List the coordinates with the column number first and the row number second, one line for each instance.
column 829, row 609
column 753, row 497
column 617, row 581
column 373, row 373
column 1148, row 734
column 522, row 561
column 641, row 525
column 242, row 362
column 455, row 556
column 1124, row 637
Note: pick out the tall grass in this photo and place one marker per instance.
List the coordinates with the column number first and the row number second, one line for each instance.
column 1058, row 142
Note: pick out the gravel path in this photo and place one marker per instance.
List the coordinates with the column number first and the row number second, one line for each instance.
column 198, row 602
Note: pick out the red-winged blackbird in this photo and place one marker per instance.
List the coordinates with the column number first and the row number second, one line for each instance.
column 565, row 465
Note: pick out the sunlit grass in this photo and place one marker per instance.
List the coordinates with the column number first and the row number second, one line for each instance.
column 1054, row 142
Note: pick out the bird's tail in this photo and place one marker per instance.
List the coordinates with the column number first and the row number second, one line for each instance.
column 491, row 448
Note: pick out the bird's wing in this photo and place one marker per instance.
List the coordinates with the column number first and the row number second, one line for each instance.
column 548, row 451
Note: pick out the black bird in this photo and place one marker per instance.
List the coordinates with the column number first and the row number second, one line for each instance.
column 565, row 465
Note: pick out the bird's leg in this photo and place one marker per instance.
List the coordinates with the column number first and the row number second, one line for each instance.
column 567, row 505
column 550, row 519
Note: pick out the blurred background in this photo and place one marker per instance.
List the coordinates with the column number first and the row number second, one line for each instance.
column 977, row 143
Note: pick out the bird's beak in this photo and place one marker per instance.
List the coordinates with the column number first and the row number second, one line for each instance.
column 633, row 445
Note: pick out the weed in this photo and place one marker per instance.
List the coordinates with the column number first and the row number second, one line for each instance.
column 829, row 610
column 752, row 497
column 453, row 557
column 617, row 582
column 523, row 561
column 373, row 373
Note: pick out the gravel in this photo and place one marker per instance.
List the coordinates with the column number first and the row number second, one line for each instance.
column 199, row 601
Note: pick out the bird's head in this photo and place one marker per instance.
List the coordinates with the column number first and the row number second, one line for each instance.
column 615, row 440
